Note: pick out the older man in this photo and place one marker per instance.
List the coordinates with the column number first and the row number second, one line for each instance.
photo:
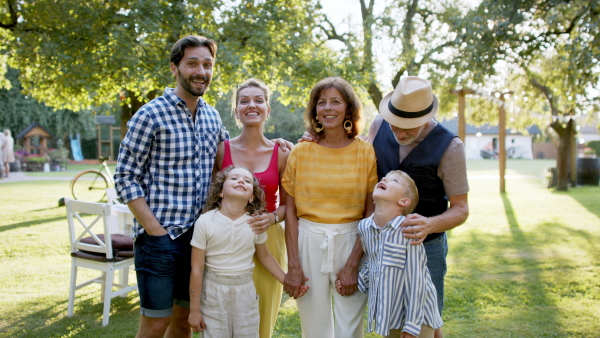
column 407, row 137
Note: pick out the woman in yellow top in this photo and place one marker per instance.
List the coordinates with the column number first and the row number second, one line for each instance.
column 329, row 185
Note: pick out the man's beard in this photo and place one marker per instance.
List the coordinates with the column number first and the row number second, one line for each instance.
column 405, row 142
column 186, row 84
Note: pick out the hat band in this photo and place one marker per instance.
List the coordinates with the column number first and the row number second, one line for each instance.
column 409, row 115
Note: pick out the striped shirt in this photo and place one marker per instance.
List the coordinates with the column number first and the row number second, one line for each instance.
column 167, row 158
column 401, row 293
column 330, row 185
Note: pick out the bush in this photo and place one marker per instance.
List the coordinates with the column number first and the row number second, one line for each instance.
column 594, row 145
column 35, row 159
column 58, row 156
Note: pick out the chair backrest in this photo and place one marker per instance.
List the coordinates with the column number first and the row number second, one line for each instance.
column 89, row 220
column 111, row 196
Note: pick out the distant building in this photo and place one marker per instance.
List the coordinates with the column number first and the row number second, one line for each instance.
column 35, row 139
column 482, row 142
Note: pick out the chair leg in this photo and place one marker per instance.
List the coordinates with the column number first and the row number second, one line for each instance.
column 102, row 293
column 73, row 285
column 107, row 291
column 124, row 279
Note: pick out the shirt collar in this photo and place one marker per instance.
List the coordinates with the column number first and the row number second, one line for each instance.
column 394, row 223
column 175, row 100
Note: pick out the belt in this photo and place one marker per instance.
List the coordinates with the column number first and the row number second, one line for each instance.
column 329, row 231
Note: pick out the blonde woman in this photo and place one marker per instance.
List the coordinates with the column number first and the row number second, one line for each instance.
column 267, row 162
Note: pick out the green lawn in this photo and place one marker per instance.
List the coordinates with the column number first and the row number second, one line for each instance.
column 525, row 264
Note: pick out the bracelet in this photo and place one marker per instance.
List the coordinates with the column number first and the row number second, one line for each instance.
column 276, row 217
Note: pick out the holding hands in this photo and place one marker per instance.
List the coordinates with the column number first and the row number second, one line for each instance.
column 294, row 281
column 346, row 283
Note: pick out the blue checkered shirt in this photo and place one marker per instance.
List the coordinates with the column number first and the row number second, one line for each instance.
column 401, row 293
column 167, row 158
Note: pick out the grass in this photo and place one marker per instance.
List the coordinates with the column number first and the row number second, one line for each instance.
column 525, row 264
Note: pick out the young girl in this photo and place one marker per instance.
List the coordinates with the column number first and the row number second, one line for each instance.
column 223, row 300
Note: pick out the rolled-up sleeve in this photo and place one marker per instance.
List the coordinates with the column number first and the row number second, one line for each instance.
column 133, row 155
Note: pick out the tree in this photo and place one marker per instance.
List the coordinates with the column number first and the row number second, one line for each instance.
column 553, row 50
column 79, row 54
column 19, row 111
column 416, row 37
column 286, row 121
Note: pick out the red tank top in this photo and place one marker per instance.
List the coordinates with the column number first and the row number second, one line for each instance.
column 268, row 179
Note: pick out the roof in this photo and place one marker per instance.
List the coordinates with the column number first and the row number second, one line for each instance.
column 103, row 119
column 30, row 128
column 485, row 129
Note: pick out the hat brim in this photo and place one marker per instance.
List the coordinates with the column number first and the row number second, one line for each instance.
column 402, row 122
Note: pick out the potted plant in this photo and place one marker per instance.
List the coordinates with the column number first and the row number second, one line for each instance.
column 588, row 167
column 35, row 162
column 58, row 158
column 589, row 152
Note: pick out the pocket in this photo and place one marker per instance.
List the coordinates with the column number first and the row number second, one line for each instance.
column 157, row 255
column 394, row 255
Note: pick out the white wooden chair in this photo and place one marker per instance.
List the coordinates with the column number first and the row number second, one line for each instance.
column 91, row 249
column 121, row 217
column 111, row 196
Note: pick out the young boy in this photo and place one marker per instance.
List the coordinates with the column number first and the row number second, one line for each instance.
column 402, row 298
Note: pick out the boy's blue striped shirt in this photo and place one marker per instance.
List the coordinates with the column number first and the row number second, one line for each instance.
column 401, row 293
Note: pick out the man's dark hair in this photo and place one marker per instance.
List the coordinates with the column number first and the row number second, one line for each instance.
column 192, row 41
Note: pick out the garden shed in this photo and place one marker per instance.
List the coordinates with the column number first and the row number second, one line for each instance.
column 35, row 139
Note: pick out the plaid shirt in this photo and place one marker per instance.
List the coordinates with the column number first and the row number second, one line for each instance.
column 167, row 158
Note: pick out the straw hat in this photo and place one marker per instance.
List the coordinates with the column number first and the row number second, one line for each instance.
column 410, row 105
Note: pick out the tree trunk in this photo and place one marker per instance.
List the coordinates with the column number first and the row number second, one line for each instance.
column 130, row 105
column 565, row 138
column 376, row 95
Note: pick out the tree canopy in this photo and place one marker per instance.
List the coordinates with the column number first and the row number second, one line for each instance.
column 78, row 54
column 549, row 52
column 19, row 111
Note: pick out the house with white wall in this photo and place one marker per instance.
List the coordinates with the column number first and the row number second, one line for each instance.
column 482, row 142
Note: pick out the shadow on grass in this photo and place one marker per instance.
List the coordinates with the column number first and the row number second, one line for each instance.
column 53, row 208
column 31, row 223
column 500, row 281
column 52, row 321
column 587, row 196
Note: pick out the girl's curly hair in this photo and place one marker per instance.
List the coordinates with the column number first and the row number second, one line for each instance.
column 257, row 206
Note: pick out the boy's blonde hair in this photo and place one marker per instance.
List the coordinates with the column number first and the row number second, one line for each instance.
column 257, row 206
column 411, row 191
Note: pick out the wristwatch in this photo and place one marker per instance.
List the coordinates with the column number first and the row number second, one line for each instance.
column 276, row 217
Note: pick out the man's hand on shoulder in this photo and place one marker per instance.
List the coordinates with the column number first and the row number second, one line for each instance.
column 308, row 137
column 416, row 227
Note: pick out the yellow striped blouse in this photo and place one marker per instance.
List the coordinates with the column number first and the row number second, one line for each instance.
column 331, row 185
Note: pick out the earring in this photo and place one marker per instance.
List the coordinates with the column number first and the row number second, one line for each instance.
column 348, row 126
column 318, row 126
